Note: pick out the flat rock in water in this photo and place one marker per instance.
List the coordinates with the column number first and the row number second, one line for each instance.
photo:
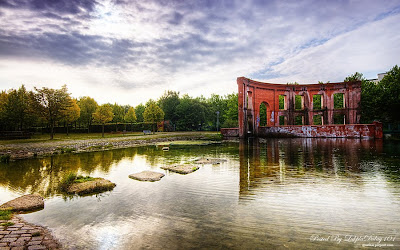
column 181, row 169
column 95, row 186
column 209, row 161
column 147, row 176
column 28, row 202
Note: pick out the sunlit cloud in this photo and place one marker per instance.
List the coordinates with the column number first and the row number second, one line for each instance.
column 131, row 51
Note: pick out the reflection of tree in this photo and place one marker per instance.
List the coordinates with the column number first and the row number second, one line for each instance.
column 43, row 175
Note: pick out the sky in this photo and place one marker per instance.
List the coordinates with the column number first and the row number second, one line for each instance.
column 129, row 51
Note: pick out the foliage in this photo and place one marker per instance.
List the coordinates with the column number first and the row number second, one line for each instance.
column 87, row 106
column 67, row 180
column 103, row 114
column 168, row 103
column 153, row 114
column 130, row 116
column 139, row 110
column 5, row 214
column 51, row 104
column 263, row 115
column 119, row 114
column 390, row 95
column 191, row 113
column 72, row 113
column 298, row 102
column 338, row 101
column 317, row 102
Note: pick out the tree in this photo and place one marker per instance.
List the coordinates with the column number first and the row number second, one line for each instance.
column 130, row 116
column 370, row 98
column 88, row 106
column 232, row 112
column 119, row 114
column 51, row 104
column 389, row 88
column 139, row 109
column 153, row 114
column 72, row 113
column 103, row 114
column 168, row 103
column 191, row 113
column 17, row 109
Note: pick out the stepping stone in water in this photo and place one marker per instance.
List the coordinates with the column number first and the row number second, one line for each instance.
column 95, row 186
column 147, row 176
column 28, row 202
column 209, row 161
column 181, row 169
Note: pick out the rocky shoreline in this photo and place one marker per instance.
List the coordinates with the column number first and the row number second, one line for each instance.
column 18, row 151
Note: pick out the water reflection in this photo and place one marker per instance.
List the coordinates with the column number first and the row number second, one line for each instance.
column 274, row 160
column 268, row 195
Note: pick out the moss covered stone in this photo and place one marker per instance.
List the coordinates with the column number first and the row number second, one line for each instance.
column 94, row 185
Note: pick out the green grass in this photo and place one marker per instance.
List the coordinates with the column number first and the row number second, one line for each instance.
column 71, row 178
column 5, row 214
column 81, row 179
column 66, row 150
column 7, row 224
column 35, row 234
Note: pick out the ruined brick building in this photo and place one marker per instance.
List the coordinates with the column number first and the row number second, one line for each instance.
column 306, row 110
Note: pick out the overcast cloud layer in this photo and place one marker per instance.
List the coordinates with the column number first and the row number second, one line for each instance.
column 130, row 51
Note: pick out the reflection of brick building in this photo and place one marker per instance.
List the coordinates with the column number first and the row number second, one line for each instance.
column 295, row 104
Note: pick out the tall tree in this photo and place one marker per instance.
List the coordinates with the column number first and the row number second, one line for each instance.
column 168, row 103
column 51, row 104
column 191, row 113
column 370, row 98
column 72, row 113
column 153, row 114
column 231, row 114
column 17, row 108
column 139, row 109
column 390, row 96
column 88, row 106
column 119, row 114
column 130, row 116
column 103, row 114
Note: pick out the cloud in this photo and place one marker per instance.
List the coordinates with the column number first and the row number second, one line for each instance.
column 195, row 47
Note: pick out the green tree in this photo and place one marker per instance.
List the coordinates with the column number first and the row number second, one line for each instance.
column 119, row 114
column 130, row 116
column 88, row 106
column 370, row 98
column 232, row 112
column 168, row 103
column 191, row 113
column 139, row 109
column 17, row 109
column 72, row 113
column 51, row 104
column 153, row 114
column 389, row 88
column 103, row 114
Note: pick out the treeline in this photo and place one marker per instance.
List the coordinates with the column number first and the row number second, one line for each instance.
column 380, row 101
column 21, row 109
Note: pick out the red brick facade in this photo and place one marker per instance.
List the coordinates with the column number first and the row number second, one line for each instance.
column 253, row 93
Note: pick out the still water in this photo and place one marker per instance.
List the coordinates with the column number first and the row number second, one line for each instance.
column 274, row 194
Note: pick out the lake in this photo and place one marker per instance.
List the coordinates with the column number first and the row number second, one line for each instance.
column 269, row 194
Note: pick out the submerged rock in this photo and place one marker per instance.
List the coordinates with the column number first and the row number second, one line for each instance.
column 28, row 202
column 147, row 176
column 209, row 161
column 94, row 186
column 181, row 169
